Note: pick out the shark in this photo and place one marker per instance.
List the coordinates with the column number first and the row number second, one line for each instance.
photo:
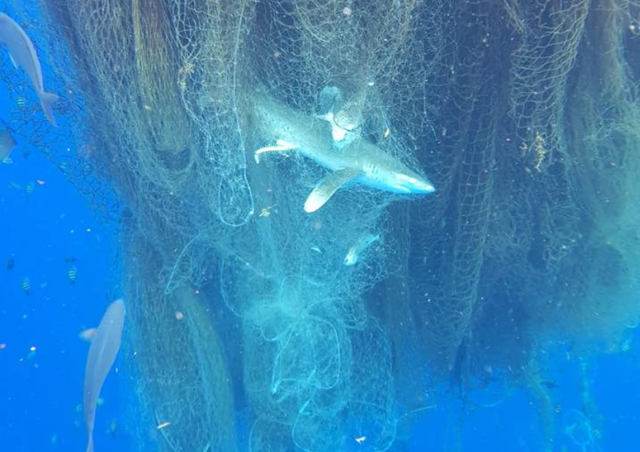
column 23, row 54
column 359, row 162
column 102, row 354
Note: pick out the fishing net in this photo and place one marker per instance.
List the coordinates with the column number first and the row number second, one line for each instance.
column 170, row 108
column 535, row 175
column 176, row 347
column 524, row 114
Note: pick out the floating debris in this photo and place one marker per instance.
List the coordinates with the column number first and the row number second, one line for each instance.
column 69, row 260
column 29, row 188
column 113, row 427
column 163, row 425
column 266, row 211
column 32, row 352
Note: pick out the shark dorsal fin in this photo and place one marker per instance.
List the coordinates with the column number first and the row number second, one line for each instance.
column 328, row 186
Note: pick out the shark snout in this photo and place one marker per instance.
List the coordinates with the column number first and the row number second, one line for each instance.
column 414, row 184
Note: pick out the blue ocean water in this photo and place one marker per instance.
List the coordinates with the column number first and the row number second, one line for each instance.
column 48, row 228
column 48, row 232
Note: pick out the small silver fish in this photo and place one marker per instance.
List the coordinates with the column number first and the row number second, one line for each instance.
column 102, row 355
column 353, row 255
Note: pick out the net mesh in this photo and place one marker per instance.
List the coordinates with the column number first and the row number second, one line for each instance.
column 523, row 113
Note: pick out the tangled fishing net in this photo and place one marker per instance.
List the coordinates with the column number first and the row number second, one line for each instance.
column 524, row 113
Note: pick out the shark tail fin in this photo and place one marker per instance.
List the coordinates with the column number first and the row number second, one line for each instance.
column 46, row 101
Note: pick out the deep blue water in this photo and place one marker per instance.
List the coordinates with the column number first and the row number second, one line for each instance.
column 42, row 358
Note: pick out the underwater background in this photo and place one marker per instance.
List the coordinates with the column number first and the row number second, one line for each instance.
column 497, row 314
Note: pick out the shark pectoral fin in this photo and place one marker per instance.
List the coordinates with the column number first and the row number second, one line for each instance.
column 281, row 146
column 328, row 186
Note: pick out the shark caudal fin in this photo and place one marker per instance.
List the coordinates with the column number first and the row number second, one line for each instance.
column 46, row 101
column 90, row 443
